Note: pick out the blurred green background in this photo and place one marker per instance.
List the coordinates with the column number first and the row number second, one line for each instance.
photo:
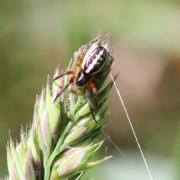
column 37, row 35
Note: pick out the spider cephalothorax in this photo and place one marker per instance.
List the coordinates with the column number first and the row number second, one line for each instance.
column 89, row 63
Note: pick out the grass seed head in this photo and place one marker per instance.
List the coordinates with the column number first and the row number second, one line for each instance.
column 63, row 136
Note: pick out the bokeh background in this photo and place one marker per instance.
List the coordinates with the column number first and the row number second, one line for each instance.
column 37, row 35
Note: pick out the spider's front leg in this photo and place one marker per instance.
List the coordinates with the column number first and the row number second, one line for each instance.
column 64, row 74
column 62, row 90
column 72, row 80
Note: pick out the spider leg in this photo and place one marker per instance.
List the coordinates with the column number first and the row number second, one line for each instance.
column 64, row 74
column 80, row 57
column 93, row 87
column 72, row 80
column 90, row 104
column 62, row 90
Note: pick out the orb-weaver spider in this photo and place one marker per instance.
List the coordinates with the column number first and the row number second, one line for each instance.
column 90, row 62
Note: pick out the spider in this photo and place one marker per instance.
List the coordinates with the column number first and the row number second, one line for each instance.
column 89, row 65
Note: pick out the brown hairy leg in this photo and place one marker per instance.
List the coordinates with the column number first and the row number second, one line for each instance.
column 64, row 74
column 72, row 80
column 93, row 87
